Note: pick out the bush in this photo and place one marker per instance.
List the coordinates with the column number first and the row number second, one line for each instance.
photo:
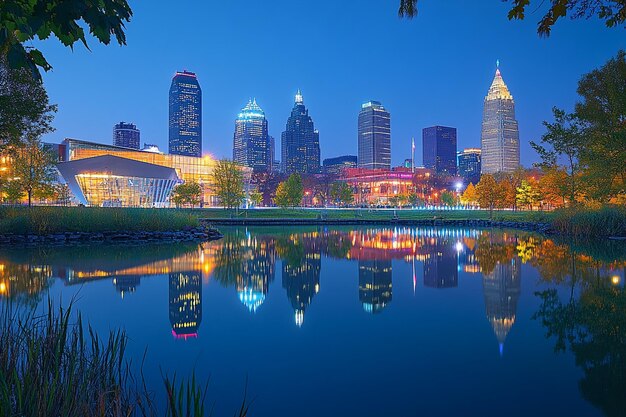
column 607, row 221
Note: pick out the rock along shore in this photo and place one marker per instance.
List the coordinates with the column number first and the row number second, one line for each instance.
column 538, row 227
column 202, row 233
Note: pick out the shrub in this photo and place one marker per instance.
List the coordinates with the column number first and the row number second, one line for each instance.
column 607, row 221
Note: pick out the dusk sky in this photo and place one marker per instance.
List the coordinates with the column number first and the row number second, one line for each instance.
column 434, row 69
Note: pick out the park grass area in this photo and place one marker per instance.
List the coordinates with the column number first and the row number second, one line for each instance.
column 374, row 214
column 581, row 223
column 50, row 220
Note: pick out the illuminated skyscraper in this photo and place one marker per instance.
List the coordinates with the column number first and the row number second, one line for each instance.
column 439, row 149
column 375, row 285
column 441, row 267
column 300, row 142
column 374, row 136
column 500, row 132
column 251, row 143
column 469, row 164
column 185, row 303
column 126, row 135
column 258, row 257
column 502, row 288
column 185, row 115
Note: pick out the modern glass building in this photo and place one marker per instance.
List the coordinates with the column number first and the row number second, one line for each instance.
column 439, row 149
column 185, row 303
column 300, row 144
column 112, row 181
column 252, row 146
column 126, row 135
column 374, row 139
column 469, row 164
column 336, row 166
column 500, row 132
column 185, row 122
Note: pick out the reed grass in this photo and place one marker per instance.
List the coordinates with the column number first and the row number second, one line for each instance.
column 53, row 366
column 49, row 220
column 585, row 223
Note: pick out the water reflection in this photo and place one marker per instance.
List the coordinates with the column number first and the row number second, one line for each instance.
column 582, row 298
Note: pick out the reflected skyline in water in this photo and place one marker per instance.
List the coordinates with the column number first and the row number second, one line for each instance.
column 368, row 278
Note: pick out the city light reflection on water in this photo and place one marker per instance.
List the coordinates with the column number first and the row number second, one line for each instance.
column 435, row 306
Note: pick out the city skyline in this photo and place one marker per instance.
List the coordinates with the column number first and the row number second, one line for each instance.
column 541, row 72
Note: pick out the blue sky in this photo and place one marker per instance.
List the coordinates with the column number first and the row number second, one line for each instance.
column 434, row 69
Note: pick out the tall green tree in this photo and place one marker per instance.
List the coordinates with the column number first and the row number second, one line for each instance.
column 24, row 107
column 602, row 113
column 289, row 193
column 228, row 180
column 612, row 12
column 448, row 198
column 341, row 193
column 34, row 168
column 25, row 21
column 562, row 142
column 527, row 194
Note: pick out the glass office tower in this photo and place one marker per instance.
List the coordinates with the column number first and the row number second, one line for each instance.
column 251, row 141
column 374, row 136
column 439, row 149
column 185, row 123
column 300, row 144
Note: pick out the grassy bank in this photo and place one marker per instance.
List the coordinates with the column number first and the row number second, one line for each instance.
column 47, row 220
column 53, row 366
column 581, row 223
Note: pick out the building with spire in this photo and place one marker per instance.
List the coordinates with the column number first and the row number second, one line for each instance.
column 500, row 133
column 185, row 121
column 300, row 142
column 251, row 142
column 374, row 136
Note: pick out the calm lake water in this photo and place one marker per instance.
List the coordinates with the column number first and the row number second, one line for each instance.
column 358, row 322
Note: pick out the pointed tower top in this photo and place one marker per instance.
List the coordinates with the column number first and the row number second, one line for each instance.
column 498, row 89
column 299, row 99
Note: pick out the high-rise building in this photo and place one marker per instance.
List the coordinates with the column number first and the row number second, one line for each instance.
column 300, row 142
column 439, row 149
column 185, row 121
column 252, row 146
column 336, row 166
column 374, row 136
column 500, row 132
column 126, row 135
column 302, row 281
column 441, row 266
column 469, row 164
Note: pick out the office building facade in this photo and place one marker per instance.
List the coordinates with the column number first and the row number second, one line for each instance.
column 185, row 118
column 252, row 146
column 374, row 136
column 500, row 133
column 126, row 135
column 300, row 142
column 469, row 164
column 336, row 166
column 439, row 149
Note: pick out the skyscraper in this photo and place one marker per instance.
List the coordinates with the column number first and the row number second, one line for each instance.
column 374, row 136
column 375, row 284
column 126, row 135
column 300, row 144
column 185, row 303
column 469, row 164
column 500, row 133
column 439, row 149
column 185, row 115
column 251, row 143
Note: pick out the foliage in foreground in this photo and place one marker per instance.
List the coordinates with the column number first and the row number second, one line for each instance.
column 607, row 221
column 46, row 220
column 51, row 366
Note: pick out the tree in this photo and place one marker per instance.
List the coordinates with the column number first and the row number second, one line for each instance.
column 602, row 114
column 564, row 139
column 289, row 193
column 414, row 200
column 187, row 193
column 228, row 182
column 33, row 168
column 13, row 192
column 527, row 194
column 553, row 187
column 256, row 198
column 341, row 193
column 24, row 107
column 448, row 198
column 22, row 22
column 613, row 12
column 469, row 196
column 490, row 194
